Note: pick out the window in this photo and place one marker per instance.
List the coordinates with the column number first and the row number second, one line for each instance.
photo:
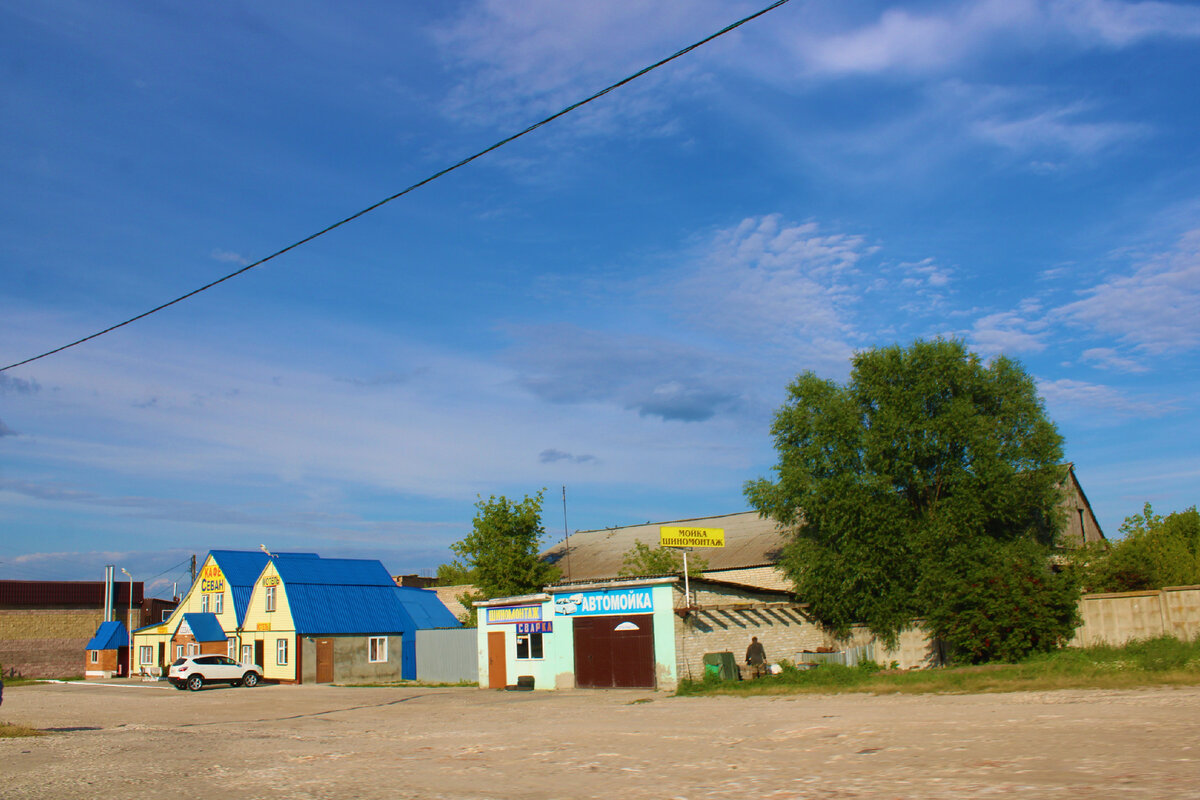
column 203, row 604
column 377, row 649
column 231, row 647
column 145, row 654
column 166, row 615
column 247, row 654
column 193, row 649
column 281, row 650
column 94, row 656
column 271, row 599
column 179, row 651
column 218, row 603
column 529, row 645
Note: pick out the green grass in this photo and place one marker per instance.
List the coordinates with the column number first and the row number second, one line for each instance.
column 1164, row 661
column 10, row 730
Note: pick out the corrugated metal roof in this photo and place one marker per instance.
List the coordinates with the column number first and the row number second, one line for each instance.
column 318, row 609
column 333, row 571
column 426, row 608
column 205, row 627
column 750, row 541
column 109, row 636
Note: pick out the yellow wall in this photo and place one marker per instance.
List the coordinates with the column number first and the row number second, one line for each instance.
column 191, row 604
column 270, row 626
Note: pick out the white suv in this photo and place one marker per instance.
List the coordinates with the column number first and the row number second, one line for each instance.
column 192, row 672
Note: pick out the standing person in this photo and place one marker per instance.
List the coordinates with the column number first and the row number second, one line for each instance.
column 756, row 657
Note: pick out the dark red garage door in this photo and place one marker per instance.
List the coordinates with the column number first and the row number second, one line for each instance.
column 614, row 652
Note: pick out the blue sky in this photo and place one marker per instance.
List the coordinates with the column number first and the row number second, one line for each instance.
column 614, row 303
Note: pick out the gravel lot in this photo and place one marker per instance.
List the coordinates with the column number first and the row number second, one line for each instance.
column 149, row 740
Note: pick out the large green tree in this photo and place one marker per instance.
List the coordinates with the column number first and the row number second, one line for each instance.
column 918, row 490
column 500, row 554
column 1153, row 552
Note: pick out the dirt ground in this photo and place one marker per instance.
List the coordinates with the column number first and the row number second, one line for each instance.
column 149, row 740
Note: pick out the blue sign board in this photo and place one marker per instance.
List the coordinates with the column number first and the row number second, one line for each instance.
column 535, row 627
column 638, row 600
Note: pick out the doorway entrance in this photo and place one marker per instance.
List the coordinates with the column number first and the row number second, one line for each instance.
column 614, row 652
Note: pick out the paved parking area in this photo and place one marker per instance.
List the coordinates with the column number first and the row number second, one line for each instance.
column 149, row 740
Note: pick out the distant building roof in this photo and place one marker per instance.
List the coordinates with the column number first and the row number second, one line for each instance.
column 204, row 627
column 750, row 541
column 33, row 594
column 109, row 636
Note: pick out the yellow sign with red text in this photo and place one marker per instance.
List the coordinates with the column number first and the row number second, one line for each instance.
column 212, row 579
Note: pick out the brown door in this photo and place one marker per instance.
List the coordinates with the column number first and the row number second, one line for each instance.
column 162, row 654
column 614, row 652
column 324, row 660
column 497, row 676
column 258, row 655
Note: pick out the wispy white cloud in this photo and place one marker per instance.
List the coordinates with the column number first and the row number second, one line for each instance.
column 900, row 41
column 1009, row 333
column 1109, row 358
column 230, row 257
column 1069, row 398
column 790, row 285
column 1155, row 308
column 1055, row 129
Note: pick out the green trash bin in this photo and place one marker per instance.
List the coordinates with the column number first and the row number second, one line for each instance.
column 722, row 665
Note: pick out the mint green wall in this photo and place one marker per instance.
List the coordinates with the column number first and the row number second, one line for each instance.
column 556, row 670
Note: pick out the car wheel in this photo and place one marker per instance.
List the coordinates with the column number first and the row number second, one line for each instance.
column 250, row 680
column 195, row 683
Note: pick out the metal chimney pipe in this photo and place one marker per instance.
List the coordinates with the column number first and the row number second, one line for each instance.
column 109, row 571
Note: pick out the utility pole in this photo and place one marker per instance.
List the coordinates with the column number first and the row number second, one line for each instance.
column 193, row 569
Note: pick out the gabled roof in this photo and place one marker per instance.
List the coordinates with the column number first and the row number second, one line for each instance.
column 109, row 636
column 241, row 569
column 204, row 627
column 355, row 596
column 750, row 541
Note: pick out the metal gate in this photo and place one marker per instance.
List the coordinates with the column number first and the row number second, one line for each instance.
column 614, row 652
column 447, row 655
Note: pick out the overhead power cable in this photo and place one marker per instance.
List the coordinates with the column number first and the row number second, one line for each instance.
column 411, row 188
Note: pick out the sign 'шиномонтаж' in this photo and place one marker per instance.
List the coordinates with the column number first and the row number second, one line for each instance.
column 674, row 536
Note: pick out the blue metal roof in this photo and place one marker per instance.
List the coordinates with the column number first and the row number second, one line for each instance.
column 333, row 571
column 426, row 609
column 241, row 569
column 205, row 627
column 356, row 596
column 109, row 636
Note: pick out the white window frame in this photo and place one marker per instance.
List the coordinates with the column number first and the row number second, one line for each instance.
column 145, row 654
column 281, row 652
column 247, row 653
column 529, row 648
column 218, row 603
column 179, row 651
column 203, row 603
column 94, row 655
column 377, row 650
column 270, row 596
column 231, row 648
column 193, row 648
